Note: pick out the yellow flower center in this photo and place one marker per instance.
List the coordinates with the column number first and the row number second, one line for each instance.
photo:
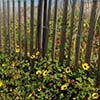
column 1, row 84
column 3, row 65
column 12, row 65
column 45, row 73
column 33, row 57
column 38, row 72
column 64, row 87
column 39, row 89
column 85, row 66
column 68, row 70
column 95, row 95
column 37, row 53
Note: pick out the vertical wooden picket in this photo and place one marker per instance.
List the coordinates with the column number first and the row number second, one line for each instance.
column 31, row 27
column 4, row 26
column 91, row 32
column 63, row 33
column 25, row 27
column 9, row 35
column 40, row 25
column 49, row 11
column 14, row 24
column 79, row 33
column 54, row 31
column 71, row 31
column 0, row 29
column 45, row 28
column 19, row 29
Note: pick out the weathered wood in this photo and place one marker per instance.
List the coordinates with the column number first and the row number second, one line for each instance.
column 91, row 32
column 4, row 26
column 40, row 25
column 71, row 31
column 9, row 35
column 31, row 27
column 25, row 27
column 79, row 33
column 14, row 24
column 45, row 29
column 0, row 29
column 49, row 11
column 54, row 31
column 98, row 71
column 19, row 28
column 63, row 33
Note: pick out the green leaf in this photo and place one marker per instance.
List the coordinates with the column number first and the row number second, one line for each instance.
column 79, row 79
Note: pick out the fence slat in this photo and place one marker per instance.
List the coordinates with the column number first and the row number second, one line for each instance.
column 54, row 30
column 78, row 37
column 45, row 28
column 63, row 33
column 49, row 11
column 31, row 27
column 4, row 26
column 40, row 25
column 14, row 24
column 0, row 29
column 19, row 28
column 9, row 35
column 91, row 32
column 25, row 27
column 71, row 31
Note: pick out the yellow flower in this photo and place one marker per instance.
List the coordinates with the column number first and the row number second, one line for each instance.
column 12, row 65
column 36, row 57
column 37, row 53
column 39, row 89
column 68, row 70
column 38, row 72
column 3, row 65
column 45, row 73
column 85, row 66
column 30, row 95
column 33, row 57
column 64, row 87
column 28, row 53
column 95, row 95
column 28, row 30
column 17, row 49
column 1, row 84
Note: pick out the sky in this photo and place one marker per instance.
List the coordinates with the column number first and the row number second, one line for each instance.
column 35, row 2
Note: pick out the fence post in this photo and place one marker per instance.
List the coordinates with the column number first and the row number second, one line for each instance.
column 14, row 30
column 45, row 28
column 25, row 27
column 4, row 26
column 19, row 28
column 71, row 31
column 63, row 33
column 91, row 32
column 49, row 11
column 54, row 31
column 0, row 29
column 9, row 35
column 40, row 25
column 78, row 37
column 31, row 27
column 98, row 71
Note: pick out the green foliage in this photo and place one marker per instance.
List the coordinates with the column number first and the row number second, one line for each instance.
column 98, row 25
column 44, row 81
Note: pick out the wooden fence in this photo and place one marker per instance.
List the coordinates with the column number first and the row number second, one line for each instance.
column 40, row 38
